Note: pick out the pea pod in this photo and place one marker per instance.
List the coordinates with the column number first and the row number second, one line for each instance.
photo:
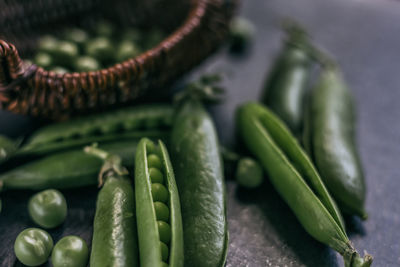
column 107, row 125
column 199, row 175
column 294, row 177
column 329, row 138
column 114, row 240
column 63, row 170
column 285, row 89
column 158, row 208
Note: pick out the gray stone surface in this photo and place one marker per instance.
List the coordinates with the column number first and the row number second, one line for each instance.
column 364, row 37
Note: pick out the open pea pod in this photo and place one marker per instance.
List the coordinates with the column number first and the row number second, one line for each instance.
column 158, row 208
column 295, row 178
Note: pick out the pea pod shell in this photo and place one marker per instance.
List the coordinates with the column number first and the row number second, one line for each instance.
column 285, row 89
column 293, row 175
column 331, row 141
column 64, row 170
column 149, row 240
column 114, row 229
column 199, row 175
column 127, row 119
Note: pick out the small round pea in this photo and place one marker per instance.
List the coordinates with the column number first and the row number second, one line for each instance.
column 66, row 52
column 59, row 70
column 100, row 48
column 154, row 161
column 249, row 173
column 48, row 208
column 43, row 60
column 156, row 176
column 150, row 147
column 126, row 50
column 76, row 35
column 70, row 251
column 164, row 230
column 162, row 211
column 86, row 63
column 164, row 251
column 48, row 44
column 159, row 192
column 33, row 246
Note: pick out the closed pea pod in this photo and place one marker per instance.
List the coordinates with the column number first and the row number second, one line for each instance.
column 114, row 241
column 63, row 170
column 199, row 175
column 125, row 123
column 296, row 180
column 285, row 89
column 329, row 138
column 158, row 207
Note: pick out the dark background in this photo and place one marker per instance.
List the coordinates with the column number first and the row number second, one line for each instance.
column 364, row 36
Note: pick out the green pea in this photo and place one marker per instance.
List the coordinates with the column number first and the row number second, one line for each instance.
column 48, row 44
column 66, row 52
column 48, row 208
column 159, row 192
column 162, row 211
column 76, row 35
column 164, row 230
column 127, row 50
column 249, row 173
column 59, row 70
column 86, row 63
column 70, row 251
column 33, row 246
column 100, row 48
column 43, row 60
column 154, row 161
column 150, row 147
column 156, row 176
column 164, row 251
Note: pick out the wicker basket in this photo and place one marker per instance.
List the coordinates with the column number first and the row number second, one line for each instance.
column 197, row 26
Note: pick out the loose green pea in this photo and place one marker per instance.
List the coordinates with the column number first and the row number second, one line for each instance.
column 164, row 230
column 127, row 50
column 43, row 60
column 33, row 246
column 48, row 208
column 159, row 192
column 66, row 52
column 154, row 161
column 77, row 36
column 249, row 173
column 70, row 251
column 59, row 70
column 164, row 251
column 162, row 211
column 86, row 64
column 48, row 44
column 100, row 48
column 156, row 176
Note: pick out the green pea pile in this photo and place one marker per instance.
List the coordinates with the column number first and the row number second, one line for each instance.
column 77, row 50
column 160, row 197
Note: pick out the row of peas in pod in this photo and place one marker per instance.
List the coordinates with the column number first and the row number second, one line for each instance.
column 78, row 50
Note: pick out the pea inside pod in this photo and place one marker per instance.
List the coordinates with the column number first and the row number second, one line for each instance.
column 296, row 180
column 158, row 208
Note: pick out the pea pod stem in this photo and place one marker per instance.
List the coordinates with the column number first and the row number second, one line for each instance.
column 295, row 178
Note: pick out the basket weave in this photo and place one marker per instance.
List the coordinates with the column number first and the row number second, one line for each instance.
column 198, row 27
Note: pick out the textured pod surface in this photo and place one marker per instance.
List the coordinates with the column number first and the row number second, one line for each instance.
column 114, row 229
column 330, row 139
column 147, row 220
column 292, row 174
column 286, row 86
column 82, row 130
column 64, row 170
column 199, row 175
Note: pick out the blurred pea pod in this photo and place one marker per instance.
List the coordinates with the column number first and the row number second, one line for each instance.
column 294, row 177
column 285, row 88
column 330, row 140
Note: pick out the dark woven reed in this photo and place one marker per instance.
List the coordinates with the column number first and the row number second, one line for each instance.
column 197, row 28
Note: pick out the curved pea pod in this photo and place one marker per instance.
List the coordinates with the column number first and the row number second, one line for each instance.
column 114, row 241
column 110, row 125
column 64, row 170
column 7, row 148
column 285, row 89
column 294, row 177
column 158, row 207
column 199, row 175
column 330, row 139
